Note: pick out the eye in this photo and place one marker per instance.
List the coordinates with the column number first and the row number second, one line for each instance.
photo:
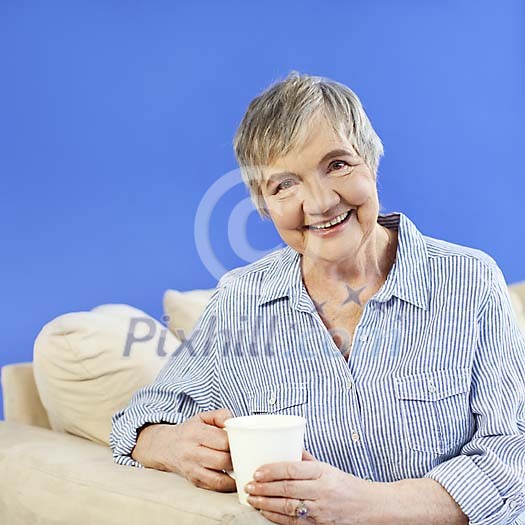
column 284, row 185
column 338, row 165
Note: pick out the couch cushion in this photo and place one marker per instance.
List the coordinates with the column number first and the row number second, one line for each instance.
column 517, row 296
column 183, row 309
column 87, row 365
column 52, row 478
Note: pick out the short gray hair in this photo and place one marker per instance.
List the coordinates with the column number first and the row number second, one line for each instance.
column 279, row 119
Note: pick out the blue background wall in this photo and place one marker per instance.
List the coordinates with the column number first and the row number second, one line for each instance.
column 116, row 118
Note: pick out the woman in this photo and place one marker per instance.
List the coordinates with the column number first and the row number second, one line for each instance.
column 401, row 350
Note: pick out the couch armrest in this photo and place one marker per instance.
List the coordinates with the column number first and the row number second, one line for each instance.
column 53, row 478
column 21, row 400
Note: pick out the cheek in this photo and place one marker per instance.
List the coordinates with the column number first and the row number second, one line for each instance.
column 358, row 189
column 286, row 214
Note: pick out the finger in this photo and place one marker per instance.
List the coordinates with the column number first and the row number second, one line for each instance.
column 282, row 519
column 216, row 417
column 284, row 507
column 280, row 505
column 213, row 480
column 213, row 459
column 213, row 437
column 298, row 489
column 307, row 456
column 289, row 470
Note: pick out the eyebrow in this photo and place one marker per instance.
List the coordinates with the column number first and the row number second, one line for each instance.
column 328, row 156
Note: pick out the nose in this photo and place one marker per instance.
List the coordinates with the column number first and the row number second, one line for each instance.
column 319, row 197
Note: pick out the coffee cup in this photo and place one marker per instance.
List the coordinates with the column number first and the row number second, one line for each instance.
column 260, row 439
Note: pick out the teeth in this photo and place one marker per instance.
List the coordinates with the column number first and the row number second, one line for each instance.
column 337, row 220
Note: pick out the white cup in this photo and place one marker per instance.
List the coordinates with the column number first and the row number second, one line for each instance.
column 260, row 439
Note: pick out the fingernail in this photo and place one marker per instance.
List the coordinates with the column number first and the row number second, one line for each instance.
column 257, row 475
column 249, row 487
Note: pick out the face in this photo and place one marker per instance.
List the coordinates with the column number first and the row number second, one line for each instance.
column 324, row 180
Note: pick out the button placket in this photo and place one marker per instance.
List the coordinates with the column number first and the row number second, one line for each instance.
column 361, row 452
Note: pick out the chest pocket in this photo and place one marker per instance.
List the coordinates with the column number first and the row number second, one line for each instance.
column 435, row 409
column 289, row 399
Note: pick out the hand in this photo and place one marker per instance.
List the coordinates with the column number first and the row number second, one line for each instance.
column 197, row 449
column 331, row 495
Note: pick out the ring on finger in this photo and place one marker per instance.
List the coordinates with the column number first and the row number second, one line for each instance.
column 301, row 511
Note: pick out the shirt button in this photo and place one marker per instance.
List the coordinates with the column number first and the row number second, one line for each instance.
column 350, row 385
column 432, row 388
column 512, row 503
column 363, row 338
column 355, row 436
column 273, row 399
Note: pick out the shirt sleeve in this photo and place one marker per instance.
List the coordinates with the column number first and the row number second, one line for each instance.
column 487, row 478
column 182, row 388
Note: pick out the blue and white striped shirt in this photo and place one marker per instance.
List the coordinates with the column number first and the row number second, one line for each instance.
column 434, row 386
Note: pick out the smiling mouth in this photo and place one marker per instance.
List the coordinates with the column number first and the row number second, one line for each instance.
column 340, row 219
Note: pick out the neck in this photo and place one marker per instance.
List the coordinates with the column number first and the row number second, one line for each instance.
column 367, row 268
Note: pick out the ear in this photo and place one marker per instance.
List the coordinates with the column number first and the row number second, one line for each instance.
column 262, row 208
column 259, row 203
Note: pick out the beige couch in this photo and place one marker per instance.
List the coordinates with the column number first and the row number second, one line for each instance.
column 55, row 465
column 47, row 477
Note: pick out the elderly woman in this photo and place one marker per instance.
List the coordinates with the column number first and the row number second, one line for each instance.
column 401, row 350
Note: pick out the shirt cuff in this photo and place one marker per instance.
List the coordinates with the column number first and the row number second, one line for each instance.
column 476, row 494
column 123, row 437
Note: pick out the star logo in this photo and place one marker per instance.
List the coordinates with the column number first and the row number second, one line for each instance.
column 353, row 295
column 319, row 306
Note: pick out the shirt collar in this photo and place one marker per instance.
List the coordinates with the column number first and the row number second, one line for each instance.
column 408, row 278
column 281, row 277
